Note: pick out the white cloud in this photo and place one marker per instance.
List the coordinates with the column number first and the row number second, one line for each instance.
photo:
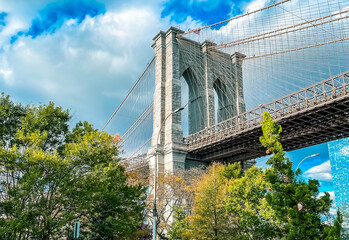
column 5, row 71
column 71, row 22
column 321, row 172
column 332, row 196
column 324, row 167
column 78, row 64
column 89, row 67
column 333, row 209
column 255, row 5
column 20, row 15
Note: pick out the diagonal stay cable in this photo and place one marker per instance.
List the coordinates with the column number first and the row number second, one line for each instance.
column 138, row 119
column 138, row 149
column 281, row 30
column 300, row 17
column 134, row 129
column 233, row 18
column 297, row 49
column 128, row 94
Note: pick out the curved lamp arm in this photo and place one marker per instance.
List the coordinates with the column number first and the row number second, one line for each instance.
column 314, row 155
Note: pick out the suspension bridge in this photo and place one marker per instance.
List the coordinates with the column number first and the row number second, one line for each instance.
column 289, row 58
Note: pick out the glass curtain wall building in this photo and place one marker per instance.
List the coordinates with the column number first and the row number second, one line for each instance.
column 339, row 159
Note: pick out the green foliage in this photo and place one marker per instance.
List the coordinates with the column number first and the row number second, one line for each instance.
column 51, row 177
column 257, row 204
column 47, row 124
column 287, row 192
column 210, row 220
column 34, row 185
column 246, row 201
column 229, row 204
column 180, row 225
column 10, row 119
column 232, row 171
column 334, row 232
column 271, row 134
column 270, row 140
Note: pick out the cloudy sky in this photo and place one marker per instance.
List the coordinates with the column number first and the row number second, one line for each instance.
column 85, row 55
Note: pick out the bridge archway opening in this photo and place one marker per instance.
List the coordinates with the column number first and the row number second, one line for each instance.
column 184, row 112
column 192, row 115
column 221, row 101
column 216, row 106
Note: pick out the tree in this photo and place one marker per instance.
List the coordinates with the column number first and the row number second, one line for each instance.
column 33, row 184
column 257, row 204
column 296, row 203
column 344, row 210
column 113, row 208
column 51, row 177
column 180, row 225
column 32, row 175
column 210, row 219
column 174, row 191
column 232, row 203
column 10, row 118
column 229, row 204
column 246, row 201
column 334, row 232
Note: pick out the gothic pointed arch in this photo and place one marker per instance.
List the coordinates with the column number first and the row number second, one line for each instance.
column 223, row 102
column 195, row 102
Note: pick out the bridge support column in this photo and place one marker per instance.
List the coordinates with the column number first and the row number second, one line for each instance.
column 174, row 149
column 205, row 70
column 247, row 164
column 157, row 140
column 168, row 143
column 236, row 59
column 209, row 74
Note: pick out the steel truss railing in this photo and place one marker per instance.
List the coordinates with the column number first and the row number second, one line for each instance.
column 305, row 98
column 135, row 163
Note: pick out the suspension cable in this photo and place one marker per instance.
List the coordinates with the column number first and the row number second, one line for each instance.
column 230, row 19
column 128, row 94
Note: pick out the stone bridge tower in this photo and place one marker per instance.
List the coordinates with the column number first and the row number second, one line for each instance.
column 206, row 71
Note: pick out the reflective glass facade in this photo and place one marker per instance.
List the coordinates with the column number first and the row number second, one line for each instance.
column 339, row 158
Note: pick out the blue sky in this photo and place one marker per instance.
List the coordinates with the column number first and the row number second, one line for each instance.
column 207, row 12
column 85, row 55
column 54, row 15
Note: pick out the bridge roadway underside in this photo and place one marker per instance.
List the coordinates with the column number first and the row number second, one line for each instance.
column 311, row 126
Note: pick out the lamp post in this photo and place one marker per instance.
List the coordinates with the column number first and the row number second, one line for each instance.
column 156, row 169
column 314, row 155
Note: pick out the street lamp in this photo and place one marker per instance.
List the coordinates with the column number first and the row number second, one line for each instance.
column 314, row 155
column 156, row 169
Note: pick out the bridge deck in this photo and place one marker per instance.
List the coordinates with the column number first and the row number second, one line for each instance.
column 313, row 115
column 135, row 163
